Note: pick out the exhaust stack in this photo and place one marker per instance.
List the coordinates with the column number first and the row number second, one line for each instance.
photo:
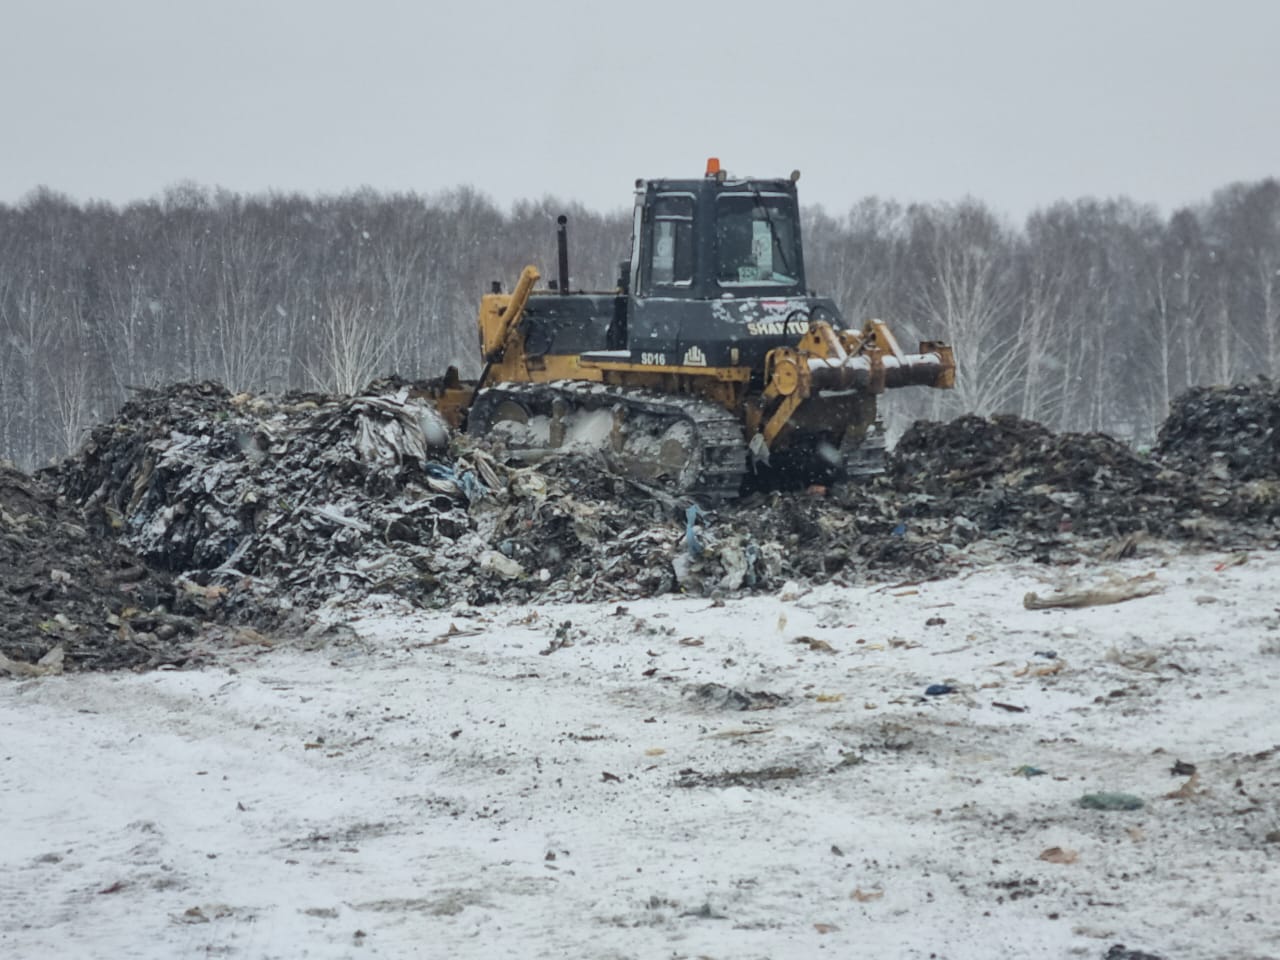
column 562, row 249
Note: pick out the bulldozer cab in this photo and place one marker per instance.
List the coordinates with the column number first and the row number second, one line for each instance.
column 717, row 238
column 716, row 275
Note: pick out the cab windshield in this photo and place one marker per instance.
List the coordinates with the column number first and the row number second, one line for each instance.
column 756, row 240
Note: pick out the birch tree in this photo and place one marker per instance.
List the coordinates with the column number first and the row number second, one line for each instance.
column 963, row 294
column 354, row 348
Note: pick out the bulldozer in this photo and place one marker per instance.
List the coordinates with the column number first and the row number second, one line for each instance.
column 709, row 367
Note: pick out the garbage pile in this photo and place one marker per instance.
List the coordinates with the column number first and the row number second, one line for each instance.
column 1228, row 438
column 1231, row 432
column 72, row 600
column 1007, row 474
column 195, row 478
column 273, row 506
column 978, row 490
column 258, row 508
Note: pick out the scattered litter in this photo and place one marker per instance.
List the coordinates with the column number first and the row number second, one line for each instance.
column 1145, row 661
column 938, row 690
column 816, row 645
column 1188, row 791
column 736, row 732
column 689, row 778
column 1110, row 801
column 866, row 896
column 1059, row 855
column 790, row 591
column 1234, row 560
column 50, row 663
column 1131, row 589
column 493, row 562
column 1118, row 951
column 1124, row 548
column 1045, row 671
column 1028, row 771
column 719, row 697
column 454, row 632
column 561, row 640
column 705, row 912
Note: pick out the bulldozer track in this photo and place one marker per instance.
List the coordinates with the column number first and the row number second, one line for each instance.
column 721, row 449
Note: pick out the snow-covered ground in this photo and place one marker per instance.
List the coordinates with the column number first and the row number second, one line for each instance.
column 579, row 781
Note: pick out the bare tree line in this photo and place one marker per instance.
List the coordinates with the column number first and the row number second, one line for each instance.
column 1090, row 317
column 1093, row 316
column 261, row 293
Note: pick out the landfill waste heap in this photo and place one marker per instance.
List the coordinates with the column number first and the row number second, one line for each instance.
column 193, row 506
column 70, row 593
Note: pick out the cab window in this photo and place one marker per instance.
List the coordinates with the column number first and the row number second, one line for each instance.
column 671, row 246
column 756, row 240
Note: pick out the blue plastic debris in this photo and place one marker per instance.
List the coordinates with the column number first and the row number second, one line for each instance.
column 900, row 530
column 1110, row 801
column 691, row 516
column 938, row 690
column 751, row 554
column 473, row 487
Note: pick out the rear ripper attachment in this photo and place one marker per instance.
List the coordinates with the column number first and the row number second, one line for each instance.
column 709, row 365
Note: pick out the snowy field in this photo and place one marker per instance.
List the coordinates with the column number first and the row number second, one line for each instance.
column 583, row 781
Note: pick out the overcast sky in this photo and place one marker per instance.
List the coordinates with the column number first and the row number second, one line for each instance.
column 1016, row 102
